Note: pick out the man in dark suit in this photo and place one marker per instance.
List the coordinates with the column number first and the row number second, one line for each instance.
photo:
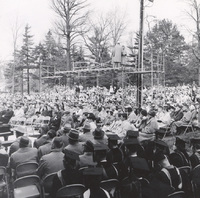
column 195, row 157
column 6, row 115
column 179, row 157
column 69, row 175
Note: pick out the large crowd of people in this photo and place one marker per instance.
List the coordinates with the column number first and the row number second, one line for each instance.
column 92, row 135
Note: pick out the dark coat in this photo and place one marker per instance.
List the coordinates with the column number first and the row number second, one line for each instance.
column 6, row 116
column 179, row 158
column 194, row 160
column 66, row 177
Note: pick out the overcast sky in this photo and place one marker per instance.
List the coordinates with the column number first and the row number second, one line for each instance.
column 38, row 14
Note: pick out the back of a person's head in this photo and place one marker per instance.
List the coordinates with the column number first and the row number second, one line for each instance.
column 24, row 141
column 57, row 143
column 51, row 133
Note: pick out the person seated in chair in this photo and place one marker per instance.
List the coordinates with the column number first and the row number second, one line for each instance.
column 51, row 162
column 69, row 175
column 189, row 114
column 180, row 156
column 6, row 115
column 92, row 178
column 86, row 160
column 171, row 175
column 195, row 157
column 23, row 154
column 148, row 131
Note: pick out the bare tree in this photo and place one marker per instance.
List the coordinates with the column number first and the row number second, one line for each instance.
column 194, row 14
column 15, row 35
column 97, row 40
column 117, row 25
column 72, row 17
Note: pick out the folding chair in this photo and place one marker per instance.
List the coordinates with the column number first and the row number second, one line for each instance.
column 186, row 169
column 195, row 188
column 71, row 191
column 111, row 186
column 190, row 124
column 178, row 194
column 27, row 168
column 143, row 181
column 4, row 159
column 47, row 184
column 195, row 173
column 27, row 187
column 3, row 182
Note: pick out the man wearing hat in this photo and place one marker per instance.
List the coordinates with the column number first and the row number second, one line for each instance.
column 99, row 137
column 115, row 154
column 149, row 130
column 171, row 175
column 51, row 162
column 87, row 158
column 23, row 154
column 109, row 171
column 179, row 157
column 141, row 168
column 64, row 134
column 92, row 120
column 87, row 134
column 69, row 175
column 92, row 178
column 195, row 157
column 74, row 144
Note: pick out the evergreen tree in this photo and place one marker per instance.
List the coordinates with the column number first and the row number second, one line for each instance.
column 165, row 40
column 26, row 56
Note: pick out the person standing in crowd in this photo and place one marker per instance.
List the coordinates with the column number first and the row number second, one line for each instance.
column 124, row 55
column 117, row 55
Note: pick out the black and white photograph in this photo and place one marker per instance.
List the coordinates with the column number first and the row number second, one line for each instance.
column 99, row 98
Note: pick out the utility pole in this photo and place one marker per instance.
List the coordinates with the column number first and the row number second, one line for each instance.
column 40, row 77
column 140, row 59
